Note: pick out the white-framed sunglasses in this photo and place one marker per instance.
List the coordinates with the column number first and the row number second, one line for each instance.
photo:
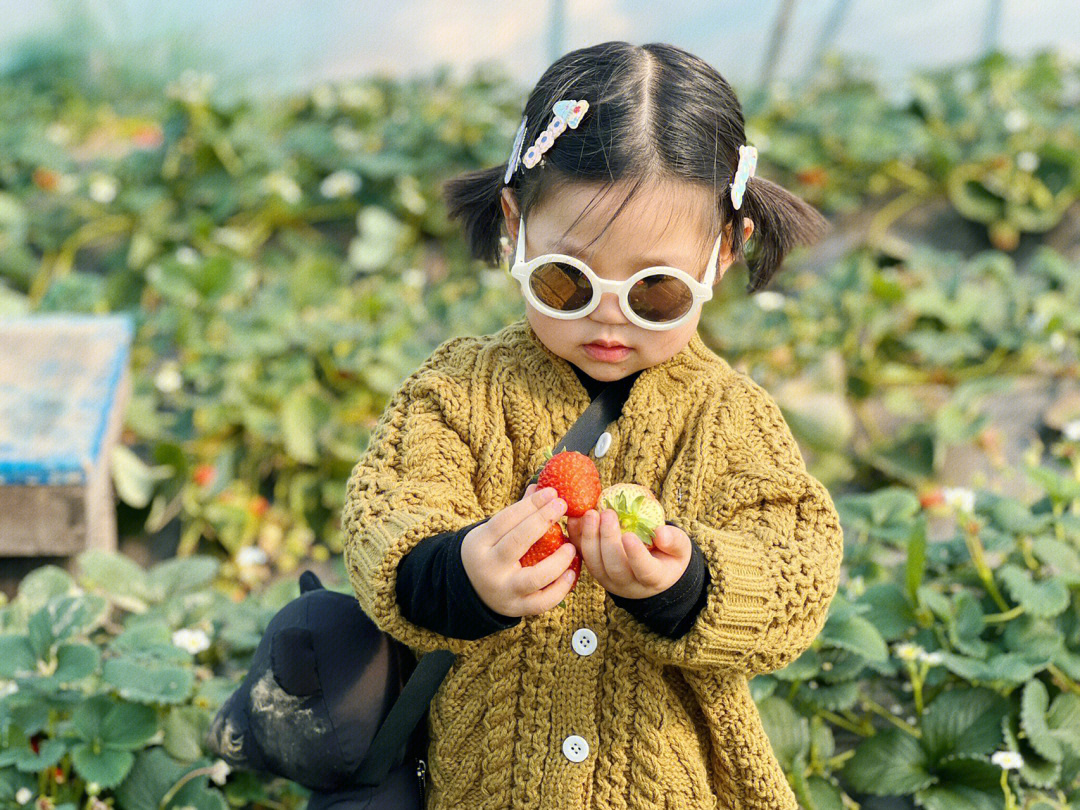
column 657, row 298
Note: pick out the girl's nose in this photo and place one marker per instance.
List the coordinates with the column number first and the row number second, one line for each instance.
column 608, row 309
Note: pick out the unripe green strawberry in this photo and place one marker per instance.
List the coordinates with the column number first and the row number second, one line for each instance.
column 575, row 478
column 638, row 509
column 551, row 541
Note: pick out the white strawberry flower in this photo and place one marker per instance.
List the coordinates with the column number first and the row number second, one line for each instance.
column 187, row 255
column 1007, row 760
column 769, row 300
column 1027, row 161
column 250, row 556
column 103, row 188
column 284, row 186
column 219, row 771
column 906, row 651
column 347, row 138
column 58, row 134
column 1016, row 120
column 931, row 658
column 413, row 277
column 168, row 380
column 342, row 183
column 1072, row 430
column 8, row 688
column 960, row 498
column 23, row 795
column 194, row 641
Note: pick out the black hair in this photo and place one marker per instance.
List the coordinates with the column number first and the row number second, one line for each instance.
column 656, row 112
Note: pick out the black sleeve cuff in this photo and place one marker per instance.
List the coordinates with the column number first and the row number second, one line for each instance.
column 673, row 612
column 434, row 592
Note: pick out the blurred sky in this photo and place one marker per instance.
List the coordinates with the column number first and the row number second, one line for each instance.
column 278, row 45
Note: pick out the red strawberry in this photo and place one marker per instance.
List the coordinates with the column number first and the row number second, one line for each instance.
column 552, row 540
column 575, row 477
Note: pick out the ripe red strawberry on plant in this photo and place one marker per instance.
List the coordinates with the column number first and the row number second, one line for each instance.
column 575, row 477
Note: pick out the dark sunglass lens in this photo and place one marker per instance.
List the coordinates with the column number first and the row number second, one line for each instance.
column 660, row 298
column 561, row 286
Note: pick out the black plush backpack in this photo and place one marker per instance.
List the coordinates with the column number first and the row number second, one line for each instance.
column 334, row 703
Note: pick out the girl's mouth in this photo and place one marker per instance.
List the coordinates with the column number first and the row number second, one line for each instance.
column 608, row 354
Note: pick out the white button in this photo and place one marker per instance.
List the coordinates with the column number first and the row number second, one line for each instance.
column 575, row 748
column 602, row 444
column 584, row 641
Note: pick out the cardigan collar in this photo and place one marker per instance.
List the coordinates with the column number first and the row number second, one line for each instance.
column 693, row 361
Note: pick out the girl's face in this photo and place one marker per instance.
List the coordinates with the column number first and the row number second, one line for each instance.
column 661, row 225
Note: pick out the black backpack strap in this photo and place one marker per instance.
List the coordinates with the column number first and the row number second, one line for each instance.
column 390, row 741
column 388, row 747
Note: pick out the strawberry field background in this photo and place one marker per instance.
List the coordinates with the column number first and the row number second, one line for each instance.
column 288, row 262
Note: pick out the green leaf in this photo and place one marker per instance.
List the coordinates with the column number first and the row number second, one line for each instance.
column 129, row 725
column 63, row 617
column 302, row 414
column 49, row 753
column 106, row 766
column 134, row 479
column 147, row 681
column 890, row 763
column 150, row 638
column 963, row 721
column 185, row 727
column 915, row 567
column 967, row 625
column 1005, row 668
column 181, row 575
column 889, row 611
column 17, row 659
column 787, row 731
column 1063, row 560
column 830, row 697
column 155, row 773
column 1034, row 703
column 803, row 667
column 113, row 573
column 1016, row 518
column 967, row 783
column 1043, row 599
column 75, row 662
column 857, row 635
column 42, row 584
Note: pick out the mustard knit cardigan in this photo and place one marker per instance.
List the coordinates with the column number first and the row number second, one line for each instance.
column 665, row 723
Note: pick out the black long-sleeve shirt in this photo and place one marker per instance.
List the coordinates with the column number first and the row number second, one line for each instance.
column 435, row 592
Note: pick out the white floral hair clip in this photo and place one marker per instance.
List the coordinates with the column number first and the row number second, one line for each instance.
column 568, row 113
column 745, row 170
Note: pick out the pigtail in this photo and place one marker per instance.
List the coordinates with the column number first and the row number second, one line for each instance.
column 474, row 199
column 781, row 221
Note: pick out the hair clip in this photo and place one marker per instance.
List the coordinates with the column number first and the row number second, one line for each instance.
column 745, row 170
column 515, row 153
column 568, row 113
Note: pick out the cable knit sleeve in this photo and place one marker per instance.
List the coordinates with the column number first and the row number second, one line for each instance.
column 772, row 541
column 414, row 480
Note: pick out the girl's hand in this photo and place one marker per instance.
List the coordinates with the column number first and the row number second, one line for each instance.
column 491, row 554
column 621, row 562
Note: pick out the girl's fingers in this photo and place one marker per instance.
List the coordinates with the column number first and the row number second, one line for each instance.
column 590, row 545
column 547, row 598
column 533, row 578
column 643, row 565
column 519, row 539
column 611, row 548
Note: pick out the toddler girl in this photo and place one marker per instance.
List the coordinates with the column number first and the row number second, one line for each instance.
column 627, row 195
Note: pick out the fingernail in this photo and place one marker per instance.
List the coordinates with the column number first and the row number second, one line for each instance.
column 569, row 576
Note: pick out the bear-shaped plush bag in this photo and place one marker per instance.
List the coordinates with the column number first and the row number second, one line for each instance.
column 320, row 706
